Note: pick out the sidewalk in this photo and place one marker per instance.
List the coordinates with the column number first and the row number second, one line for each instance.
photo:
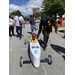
column 55, row 48
column 61, row 28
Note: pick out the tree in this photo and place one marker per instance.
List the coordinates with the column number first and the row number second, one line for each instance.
column 14, row 13
column 52, row 7
column 36, row 12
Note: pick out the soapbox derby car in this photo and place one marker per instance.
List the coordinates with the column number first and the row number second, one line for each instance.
column 35, row 53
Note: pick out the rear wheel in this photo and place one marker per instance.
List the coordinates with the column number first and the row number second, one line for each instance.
column 49, row 59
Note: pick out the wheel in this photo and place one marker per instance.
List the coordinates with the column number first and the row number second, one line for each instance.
column 21, row 61
column 25, row 43
column 49, row 59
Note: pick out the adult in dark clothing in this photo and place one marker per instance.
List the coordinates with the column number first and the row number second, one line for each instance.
column 46, row 28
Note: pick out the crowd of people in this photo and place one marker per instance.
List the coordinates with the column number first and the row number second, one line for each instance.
column 45, row 25
column 18, row 22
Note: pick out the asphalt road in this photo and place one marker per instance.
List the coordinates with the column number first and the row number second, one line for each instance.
column 55, row 48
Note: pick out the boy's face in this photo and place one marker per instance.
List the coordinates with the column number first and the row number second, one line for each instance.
column 33, row 37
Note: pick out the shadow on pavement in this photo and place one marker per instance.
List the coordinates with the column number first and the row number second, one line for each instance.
column 41, row 43
column 28, row 61
column 58, row 49
column 29, row 51
column 29, row 32
column 63, row 56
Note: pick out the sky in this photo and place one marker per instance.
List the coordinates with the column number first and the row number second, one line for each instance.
column 25, row 6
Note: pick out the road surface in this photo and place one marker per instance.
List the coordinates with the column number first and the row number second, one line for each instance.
column 55, row 48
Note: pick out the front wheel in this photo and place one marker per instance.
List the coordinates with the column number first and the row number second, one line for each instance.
column 21, row 61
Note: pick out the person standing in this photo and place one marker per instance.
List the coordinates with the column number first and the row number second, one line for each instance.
column 31, row 21
column 11, row 27
column 46, row 28
column 37, row 24
column 19, row 21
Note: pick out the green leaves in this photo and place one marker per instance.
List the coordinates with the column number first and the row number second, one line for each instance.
column 15, row 13
column 36, row 12
column 52, row 7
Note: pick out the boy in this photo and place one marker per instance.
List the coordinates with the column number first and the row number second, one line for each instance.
column 34, row 40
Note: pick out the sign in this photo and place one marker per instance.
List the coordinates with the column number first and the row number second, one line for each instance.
column 35, row 47
column 35, row 52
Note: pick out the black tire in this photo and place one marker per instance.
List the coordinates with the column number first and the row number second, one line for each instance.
column 49, row 59
column 21, row 61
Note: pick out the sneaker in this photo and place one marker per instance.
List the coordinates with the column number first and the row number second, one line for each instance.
column 44, row 49
column 17, row 35
column 13, row 34
column 9, row 38
column 46, row 45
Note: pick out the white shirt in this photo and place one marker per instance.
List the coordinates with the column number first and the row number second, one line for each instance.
column 17, row 18
column 11, row 21
column 63, row 16
column 38, row 21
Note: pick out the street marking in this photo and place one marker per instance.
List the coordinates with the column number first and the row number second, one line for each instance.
column 21, row 71
column 25, row 49
column 51, row 47
column 47, row 47
column 54, row 46
column 44, row 69
column 10, row 49
column 35, row 71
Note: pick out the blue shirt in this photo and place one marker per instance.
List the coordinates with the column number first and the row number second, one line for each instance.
column 31, row 21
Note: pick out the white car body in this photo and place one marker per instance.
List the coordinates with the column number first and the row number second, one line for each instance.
column 35, row 54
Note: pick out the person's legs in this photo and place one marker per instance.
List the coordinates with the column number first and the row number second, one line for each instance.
column 37, row 26
column 12, row 30
column 32, row 28
column 17, row 28
column 46, row 37
column 9, row 31
column 20, row 31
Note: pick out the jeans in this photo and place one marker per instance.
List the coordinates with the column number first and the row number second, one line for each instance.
column 19, row 28
column 32, row 28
